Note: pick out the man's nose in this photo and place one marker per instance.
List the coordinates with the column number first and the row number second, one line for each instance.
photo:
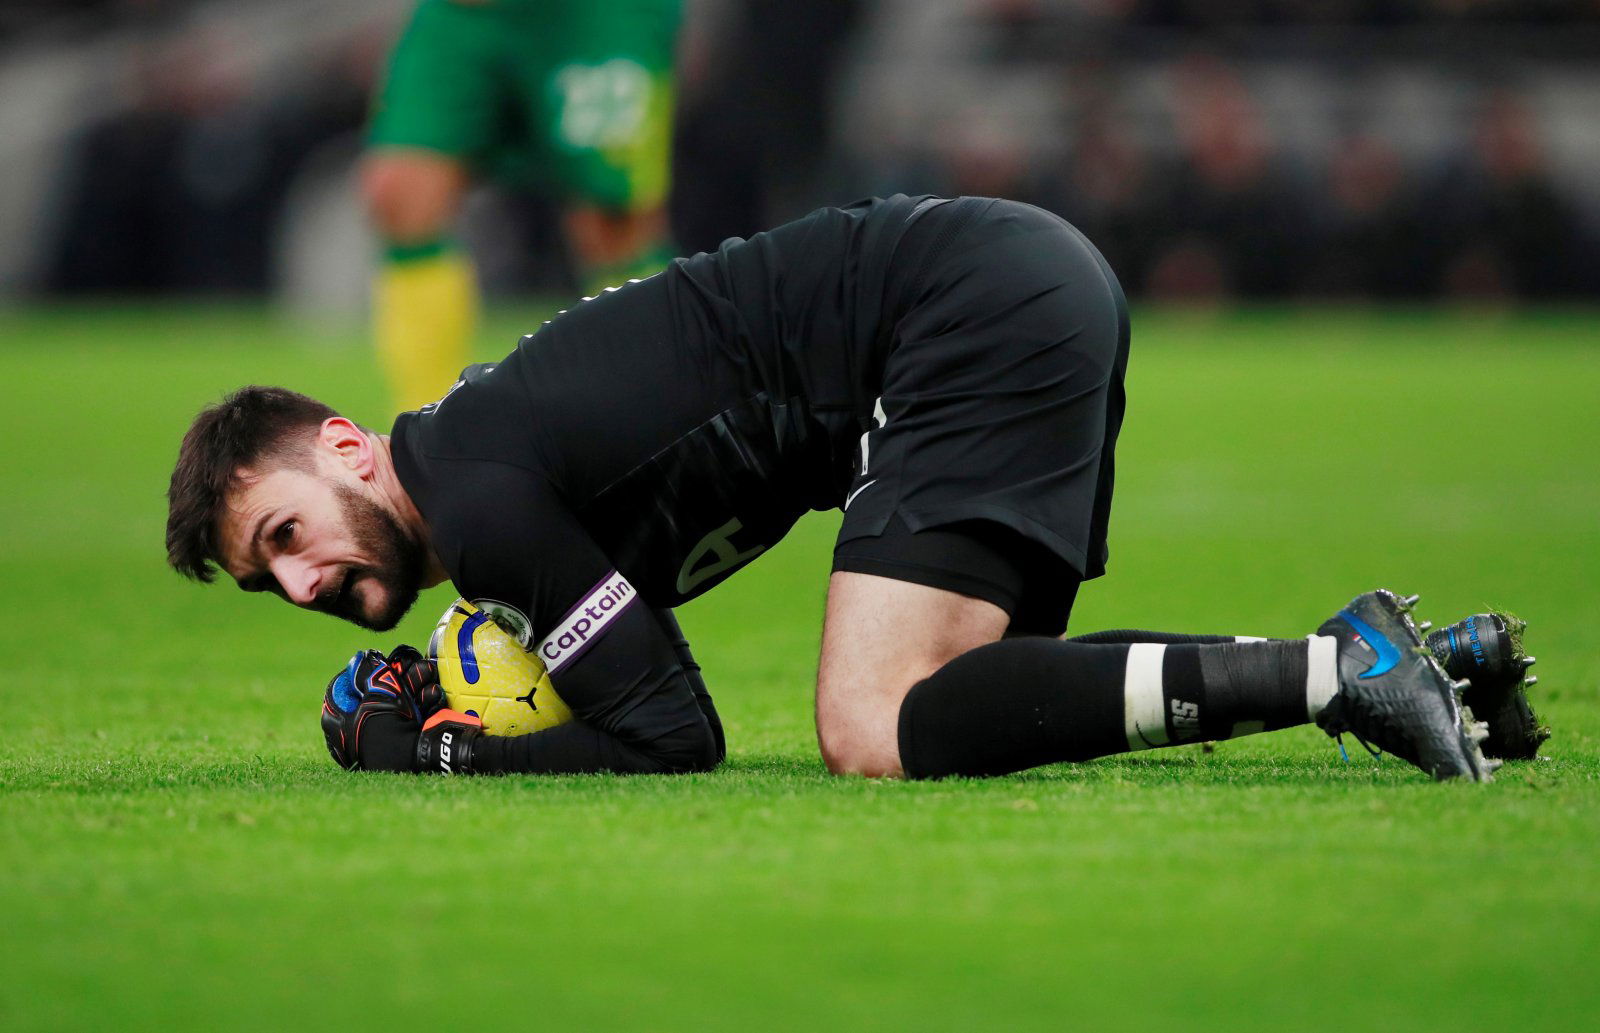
column 299, row 579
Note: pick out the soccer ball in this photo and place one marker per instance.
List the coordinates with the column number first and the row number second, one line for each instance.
column 487, row 670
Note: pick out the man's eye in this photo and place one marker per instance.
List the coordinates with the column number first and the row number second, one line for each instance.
column 285, row 533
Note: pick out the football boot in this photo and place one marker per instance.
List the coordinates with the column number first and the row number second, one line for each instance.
column 1394, row 695
column 1487, row 650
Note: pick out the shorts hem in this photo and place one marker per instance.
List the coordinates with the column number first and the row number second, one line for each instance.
column 931, row 577
column 1071, row 554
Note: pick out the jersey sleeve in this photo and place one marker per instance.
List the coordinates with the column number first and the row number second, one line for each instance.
column 621, row 666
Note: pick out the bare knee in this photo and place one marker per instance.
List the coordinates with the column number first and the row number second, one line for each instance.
column 844, row 755
column 881, row 637
column 859, row 737
column 412, row 196
column 600, row 237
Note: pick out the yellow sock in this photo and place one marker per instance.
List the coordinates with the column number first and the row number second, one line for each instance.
column 425, row 308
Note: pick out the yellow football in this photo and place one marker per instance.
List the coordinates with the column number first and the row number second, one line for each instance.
column 488, row 668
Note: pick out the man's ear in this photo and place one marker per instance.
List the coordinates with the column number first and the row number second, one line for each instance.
column 349, row 443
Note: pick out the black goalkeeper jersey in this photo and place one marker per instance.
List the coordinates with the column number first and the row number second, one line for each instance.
column 643, row 445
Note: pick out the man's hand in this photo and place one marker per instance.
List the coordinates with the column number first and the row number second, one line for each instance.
column 387, row 713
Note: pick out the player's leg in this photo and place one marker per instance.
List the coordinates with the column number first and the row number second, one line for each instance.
column 1021, row 702
column 435, row 117
column 1128, row 636
column 915, row 678
column 425, row 295
column 412, row 194
column 1000, row 400
column 604, row 106
column 1365, row 671
column 1484, row 649
column 1027, row 701
column 880, row 637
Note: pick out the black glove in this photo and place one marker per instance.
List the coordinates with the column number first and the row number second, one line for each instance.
column 374, row 710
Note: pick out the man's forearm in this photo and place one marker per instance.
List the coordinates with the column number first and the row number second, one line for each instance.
column 691, row 671
column 648, row 712
column 578, row 749
column 668, row 731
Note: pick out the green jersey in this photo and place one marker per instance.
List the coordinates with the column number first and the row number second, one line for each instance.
column 571, row 96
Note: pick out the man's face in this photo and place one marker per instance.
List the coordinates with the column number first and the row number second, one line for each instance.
column 321, row 544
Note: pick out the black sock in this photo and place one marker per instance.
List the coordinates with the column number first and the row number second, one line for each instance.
column 1022, row 702
column 1228, row 689
column 1127, row 636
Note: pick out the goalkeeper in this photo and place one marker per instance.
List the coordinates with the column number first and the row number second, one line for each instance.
column 572, row 98
column 948, row 372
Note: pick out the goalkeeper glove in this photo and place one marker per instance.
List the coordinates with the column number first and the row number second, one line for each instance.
column 388, row 713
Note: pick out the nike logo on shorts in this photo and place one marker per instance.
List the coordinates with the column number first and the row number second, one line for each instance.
column 852, row 496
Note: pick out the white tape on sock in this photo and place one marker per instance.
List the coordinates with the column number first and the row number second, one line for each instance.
column 1144, row 704
column 1322, row 672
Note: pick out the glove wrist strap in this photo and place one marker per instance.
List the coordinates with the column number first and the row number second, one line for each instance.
column 445, row 745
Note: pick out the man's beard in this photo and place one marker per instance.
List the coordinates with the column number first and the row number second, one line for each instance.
column 397, row 565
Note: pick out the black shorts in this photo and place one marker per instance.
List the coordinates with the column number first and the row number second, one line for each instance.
column 1002, row 397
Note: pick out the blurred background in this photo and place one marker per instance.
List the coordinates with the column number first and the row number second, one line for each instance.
column 1214, row 149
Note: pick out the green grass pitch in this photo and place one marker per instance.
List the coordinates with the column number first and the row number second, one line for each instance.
column 178, row 852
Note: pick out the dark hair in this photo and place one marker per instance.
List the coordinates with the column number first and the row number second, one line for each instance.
column 253, row 427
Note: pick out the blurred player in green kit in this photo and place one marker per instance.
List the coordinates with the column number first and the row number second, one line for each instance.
column 572, row 98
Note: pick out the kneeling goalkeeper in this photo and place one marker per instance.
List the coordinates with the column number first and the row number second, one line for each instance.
column 947, row 372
